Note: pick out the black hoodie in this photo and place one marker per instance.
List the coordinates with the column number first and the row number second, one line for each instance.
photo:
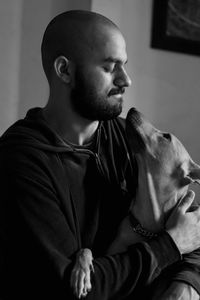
column 57, row 198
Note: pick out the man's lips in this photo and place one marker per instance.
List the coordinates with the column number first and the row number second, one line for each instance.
column 116, row 92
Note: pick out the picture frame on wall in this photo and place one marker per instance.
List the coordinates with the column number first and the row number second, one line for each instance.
column 176, row 26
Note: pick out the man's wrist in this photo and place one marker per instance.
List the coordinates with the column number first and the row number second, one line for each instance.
column 173, row 237
column 165, row 247
column 139, row 229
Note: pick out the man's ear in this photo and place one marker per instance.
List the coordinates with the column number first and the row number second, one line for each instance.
column 62, row 68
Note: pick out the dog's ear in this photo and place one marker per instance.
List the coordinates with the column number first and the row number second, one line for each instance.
column 191, row 173
column 186, row 180
column 194, row 172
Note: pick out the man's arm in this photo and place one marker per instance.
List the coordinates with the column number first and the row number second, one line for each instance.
column 182, row 280
column 188, row 272
column 176, row 291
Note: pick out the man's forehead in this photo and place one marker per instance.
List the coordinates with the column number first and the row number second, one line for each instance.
column 110, row 37
column 111, row 46
column 98, row 42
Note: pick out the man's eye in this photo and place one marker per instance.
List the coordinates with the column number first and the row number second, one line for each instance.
column 109, row 68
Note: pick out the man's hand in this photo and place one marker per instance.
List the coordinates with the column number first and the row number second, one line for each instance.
column 80, row 277
column 177, row 291
column 184, row 225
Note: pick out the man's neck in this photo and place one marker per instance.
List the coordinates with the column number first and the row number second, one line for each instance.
column 70, row 126
column 80, row 134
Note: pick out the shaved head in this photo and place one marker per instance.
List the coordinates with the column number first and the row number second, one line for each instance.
column 74, row 34
column 84, row 57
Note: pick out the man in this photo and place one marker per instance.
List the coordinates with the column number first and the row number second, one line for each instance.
column 63, row 174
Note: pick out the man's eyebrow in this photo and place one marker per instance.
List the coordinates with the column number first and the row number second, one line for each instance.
column 115, row 60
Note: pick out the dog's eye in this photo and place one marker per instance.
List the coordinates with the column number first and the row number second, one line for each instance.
column 167, row 136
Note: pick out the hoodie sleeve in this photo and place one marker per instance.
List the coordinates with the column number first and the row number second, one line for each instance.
column 39, row 242
column 188, row 270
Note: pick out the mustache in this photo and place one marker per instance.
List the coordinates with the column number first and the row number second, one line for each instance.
column 117, row 91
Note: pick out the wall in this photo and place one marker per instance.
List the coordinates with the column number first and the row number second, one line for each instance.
column 10, row 24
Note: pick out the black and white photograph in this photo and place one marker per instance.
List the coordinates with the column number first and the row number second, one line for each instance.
column 99, row 149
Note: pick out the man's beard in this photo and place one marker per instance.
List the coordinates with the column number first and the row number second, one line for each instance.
column 90, row 104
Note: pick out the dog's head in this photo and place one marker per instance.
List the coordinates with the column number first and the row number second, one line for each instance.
column 165, row 157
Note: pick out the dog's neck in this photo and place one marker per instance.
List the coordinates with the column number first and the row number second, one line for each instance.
column 153, row 202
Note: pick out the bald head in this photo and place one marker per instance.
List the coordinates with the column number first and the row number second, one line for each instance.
column 74, row 34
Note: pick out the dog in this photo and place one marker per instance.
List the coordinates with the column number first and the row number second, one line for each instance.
column 165, row 170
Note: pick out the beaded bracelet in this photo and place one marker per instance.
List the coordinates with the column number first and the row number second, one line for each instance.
column 140, row 230
column 137, row 227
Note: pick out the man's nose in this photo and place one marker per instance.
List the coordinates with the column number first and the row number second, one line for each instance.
column 122, row 79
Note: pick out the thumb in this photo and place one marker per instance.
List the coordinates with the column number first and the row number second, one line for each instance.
column 186, row 201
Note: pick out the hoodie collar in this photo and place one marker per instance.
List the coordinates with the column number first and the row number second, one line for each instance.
column 34, row 131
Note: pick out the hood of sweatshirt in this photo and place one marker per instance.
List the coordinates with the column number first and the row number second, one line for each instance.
column 33, row 131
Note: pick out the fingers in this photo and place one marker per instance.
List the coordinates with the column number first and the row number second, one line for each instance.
column 80, row 284
column 87, row 282
column 77, row 282
column 186, row 202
